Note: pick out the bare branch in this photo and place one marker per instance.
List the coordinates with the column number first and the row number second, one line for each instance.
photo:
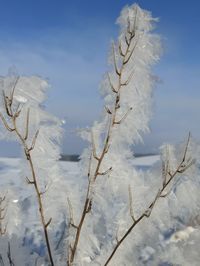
column 130, row 53
column 94, row 147
column 108, row 110
column 29, row 181
column 123, row 118
column 120, row 50
column 6, row 124
column 13, row 90
column 18, row 110
column 27, row 124
column 127, row 41
column 131, row 203
column 105, row 172
column 186, row 147
column 129, row 79
column 111, row 85
column 165, row 169
column 89, row 206
column 48, row 223
column 71, row 215
column 147, row 213
column 129, row 26
column 115, row 61
column 183, row 168
column 165, row 195
column 90, row 163
column 132, row 32
column 7, row 104
column 107, row 148
column 3, row 211
column 34, row 141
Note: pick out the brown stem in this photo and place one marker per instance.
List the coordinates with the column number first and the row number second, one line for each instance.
column 113, row 113
column 27, row 152
column 2, row 216
column 79, row 227
column 13, row 115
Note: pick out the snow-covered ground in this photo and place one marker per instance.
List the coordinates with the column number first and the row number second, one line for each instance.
column 181, row 238
column 10, row 167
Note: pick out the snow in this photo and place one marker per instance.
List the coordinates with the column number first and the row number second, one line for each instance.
column 11, row 165
column 155, row 247
column 182, row 235
column 20, row 99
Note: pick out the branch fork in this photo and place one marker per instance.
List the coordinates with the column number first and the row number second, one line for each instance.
column 12, row 116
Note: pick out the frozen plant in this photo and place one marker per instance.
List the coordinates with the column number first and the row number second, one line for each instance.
column 110, row 211
column 108, row 198
column 2, row 215
column 25, row 120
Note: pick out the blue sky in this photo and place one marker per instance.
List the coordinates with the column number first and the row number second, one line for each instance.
column 68, row 43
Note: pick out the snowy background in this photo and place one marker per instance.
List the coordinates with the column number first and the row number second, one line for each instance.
column 166, row 245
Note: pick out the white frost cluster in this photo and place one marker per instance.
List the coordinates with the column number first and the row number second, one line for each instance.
column 110, row 192
column 30, row 94
column 110, row 217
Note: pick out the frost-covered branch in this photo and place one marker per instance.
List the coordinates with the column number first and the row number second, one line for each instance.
column 130, row 68
column 119, row 71
column 184, row 164
column 2, row 215
column 11, row 124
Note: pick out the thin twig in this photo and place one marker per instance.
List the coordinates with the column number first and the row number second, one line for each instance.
column 130, row 53
column 120, row 50
column 131, row 203
column 94, row 147
column 27, row 124
column 123, row 118
column 6, row 124
column 115, row 60
column 3, row 211
column 34, row 141
column 105, row 172
column 111, row 85
column 13, row 90
column 129, row 79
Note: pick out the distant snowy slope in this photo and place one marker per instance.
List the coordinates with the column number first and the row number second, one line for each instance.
column 12, row 165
